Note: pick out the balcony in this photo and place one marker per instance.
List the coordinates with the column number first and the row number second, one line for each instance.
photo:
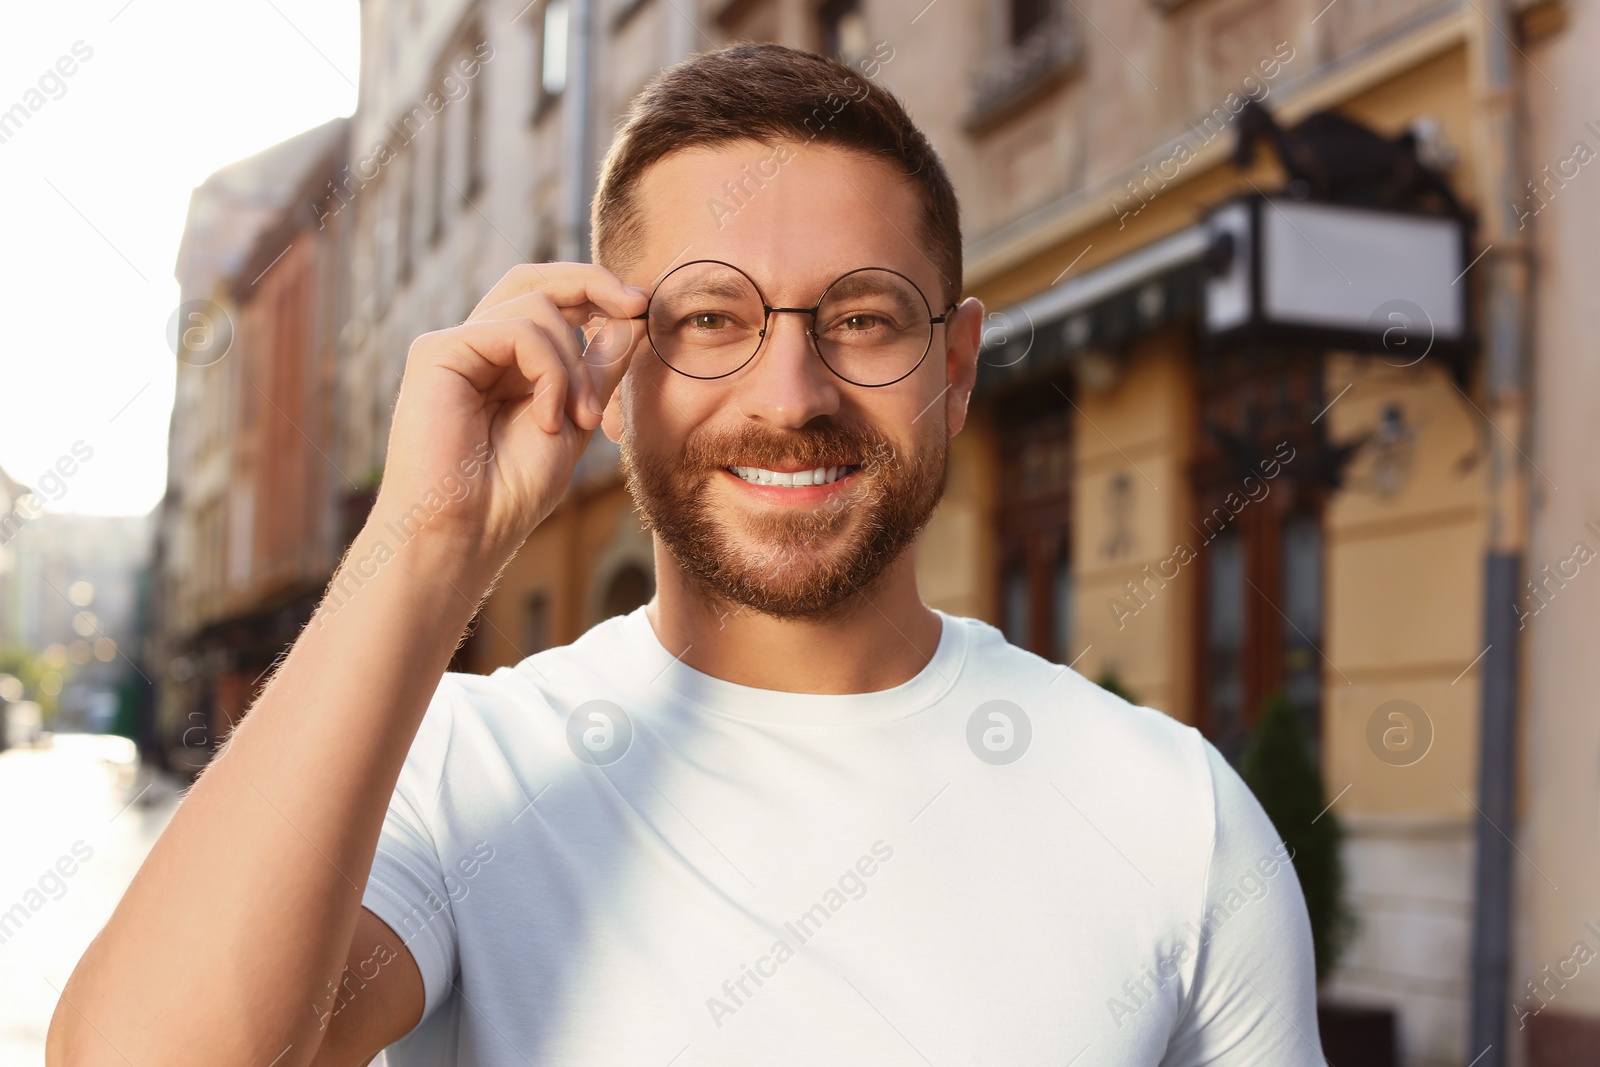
column 1025, row 71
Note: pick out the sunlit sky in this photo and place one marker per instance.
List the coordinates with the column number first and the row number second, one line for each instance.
column 95, row 186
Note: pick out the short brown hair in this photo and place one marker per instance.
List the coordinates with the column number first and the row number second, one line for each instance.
column 769, row 93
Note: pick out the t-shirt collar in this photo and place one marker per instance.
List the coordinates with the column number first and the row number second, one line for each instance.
column 664, row 669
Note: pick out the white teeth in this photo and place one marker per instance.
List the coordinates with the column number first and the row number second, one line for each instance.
column 816, row 476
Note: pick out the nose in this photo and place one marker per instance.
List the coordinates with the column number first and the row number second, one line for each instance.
column 787, row 385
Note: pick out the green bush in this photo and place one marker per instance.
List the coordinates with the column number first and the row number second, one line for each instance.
column 1112, row 682
column 1279, row 768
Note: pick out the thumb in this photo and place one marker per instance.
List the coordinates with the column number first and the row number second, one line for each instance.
column 609, row 345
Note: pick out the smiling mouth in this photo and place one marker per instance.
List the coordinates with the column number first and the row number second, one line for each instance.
column 792, row 479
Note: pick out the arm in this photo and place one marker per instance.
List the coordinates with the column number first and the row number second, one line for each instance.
column 249, row 904
column 360, row 1020
column 1254, row 997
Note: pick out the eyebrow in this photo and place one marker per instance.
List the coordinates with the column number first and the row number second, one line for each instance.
column 725, row 288
column 729, row 287
column 861, row 284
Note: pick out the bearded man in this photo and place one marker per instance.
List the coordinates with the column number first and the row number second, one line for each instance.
column 785, row 813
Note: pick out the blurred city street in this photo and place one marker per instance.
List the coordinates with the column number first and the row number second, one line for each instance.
column 1273, row 411
column 80, row 804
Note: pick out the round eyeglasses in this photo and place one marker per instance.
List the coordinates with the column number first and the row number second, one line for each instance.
column 872, row 326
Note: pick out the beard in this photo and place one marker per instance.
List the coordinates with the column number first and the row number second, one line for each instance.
column 787, row 562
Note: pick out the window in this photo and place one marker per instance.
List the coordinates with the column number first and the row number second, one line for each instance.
column 553, row 58
column 1262, row 622
column 1033, row 48
column 1033, row 525
column 1224, row 637
column 1302, row 619
column 1028, row 17
column 1262, row 472
column 843, row 31
column 550, row 55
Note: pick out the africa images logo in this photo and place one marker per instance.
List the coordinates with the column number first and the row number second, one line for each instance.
column 599, row 732
column 999, row 732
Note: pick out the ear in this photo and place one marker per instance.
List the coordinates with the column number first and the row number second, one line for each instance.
column 964, row 332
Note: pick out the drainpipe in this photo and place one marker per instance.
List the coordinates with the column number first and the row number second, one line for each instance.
column 578, row 131
column 1505, row 371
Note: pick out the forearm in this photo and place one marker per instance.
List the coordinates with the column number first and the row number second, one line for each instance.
column 244, row 910
column 245, row 907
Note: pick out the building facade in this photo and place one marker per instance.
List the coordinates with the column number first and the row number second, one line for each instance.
column 1211, row 526
column 475, row 147
column 247, row 534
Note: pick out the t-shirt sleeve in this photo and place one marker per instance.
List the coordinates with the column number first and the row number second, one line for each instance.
column 1254, row 995
column 406, row 888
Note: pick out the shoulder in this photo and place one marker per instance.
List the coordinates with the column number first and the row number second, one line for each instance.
column 1155, row 779
column 520, row 709
column 1084, row 718
column 588, row 664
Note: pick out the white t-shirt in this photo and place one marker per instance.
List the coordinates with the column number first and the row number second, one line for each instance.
column 603, row 856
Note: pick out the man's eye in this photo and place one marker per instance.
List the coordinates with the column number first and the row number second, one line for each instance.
column 709, row 320
column 861, row 322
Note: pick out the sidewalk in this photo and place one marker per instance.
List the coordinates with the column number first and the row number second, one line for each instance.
column 78, row 814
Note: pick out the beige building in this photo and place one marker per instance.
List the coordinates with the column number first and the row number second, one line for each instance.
column 1085, row 518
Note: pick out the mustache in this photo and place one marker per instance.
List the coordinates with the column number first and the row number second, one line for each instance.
column 822, row 442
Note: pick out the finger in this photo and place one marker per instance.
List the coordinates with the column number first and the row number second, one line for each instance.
column 541, row 309
column 577, row 288
column 598, row 361
column 500, row 355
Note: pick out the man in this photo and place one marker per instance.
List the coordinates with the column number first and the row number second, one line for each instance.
column 784, row 813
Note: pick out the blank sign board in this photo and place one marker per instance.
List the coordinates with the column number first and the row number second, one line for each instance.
column 1343, row 270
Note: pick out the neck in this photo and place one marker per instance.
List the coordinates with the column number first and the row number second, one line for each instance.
column 884, row 637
